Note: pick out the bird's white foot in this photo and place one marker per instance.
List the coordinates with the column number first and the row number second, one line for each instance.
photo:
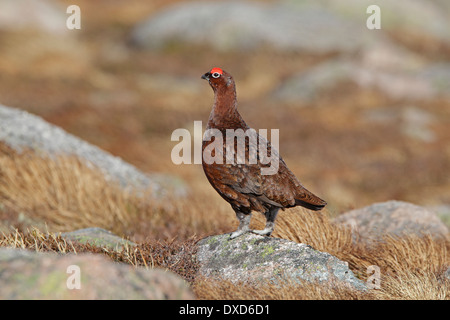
column 264, row 232
column 239, row 232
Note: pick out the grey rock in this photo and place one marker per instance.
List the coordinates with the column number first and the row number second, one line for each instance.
column 396, row 218
column 32, row 275
column 421, row 17
column 416, row 123
column 379, row 64
column 438, row 76
column 22, row 130
column 98, row 237
column 443, row 212
column 413, row 122
column 233, row 25
column 308, row 85
column 252, row 258
column 418, row 83
column 43, row 15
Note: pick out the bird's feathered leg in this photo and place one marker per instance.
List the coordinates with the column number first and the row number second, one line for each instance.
column 271, row 215
column 244, row 221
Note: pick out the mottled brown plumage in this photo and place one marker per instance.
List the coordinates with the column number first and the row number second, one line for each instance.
column 243, row 185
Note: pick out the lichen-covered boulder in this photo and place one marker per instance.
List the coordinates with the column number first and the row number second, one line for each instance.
column 252, row 258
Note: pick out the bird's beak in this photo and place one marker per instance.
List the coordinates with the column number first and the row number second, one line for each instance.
column 206, row 76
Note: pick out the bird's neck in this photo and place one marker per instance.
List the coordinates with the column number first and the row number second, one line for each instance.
column 224, row 114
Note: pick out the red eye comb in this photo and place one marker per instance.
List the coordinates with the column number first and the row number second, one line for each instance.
column 214, row 70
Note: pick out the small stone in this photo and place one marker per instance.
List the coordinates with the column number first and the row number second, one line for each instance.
column 98, row 237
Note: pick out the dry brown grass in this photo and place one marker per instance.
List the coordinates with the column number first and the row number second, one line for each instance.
column 408, row 286
column 227, row 290
column 36, row 240
column 413, row 286
column 65, row 194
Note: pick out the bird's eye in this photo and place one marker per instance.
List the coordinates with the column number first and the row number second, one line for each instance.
column 216, row 75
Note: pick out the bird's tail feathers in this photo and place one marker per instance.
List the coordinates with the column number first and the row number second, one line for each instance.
column 315, row 204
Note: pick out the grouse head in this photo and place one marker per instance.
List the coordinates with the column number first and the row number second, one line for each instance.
column 219, row 79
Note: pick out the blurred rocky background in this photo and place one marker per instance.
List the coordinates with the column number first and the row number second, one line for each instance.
column 363, row 114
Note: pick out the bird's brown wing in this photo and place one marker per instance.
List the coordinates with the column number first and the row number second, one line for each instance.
column 244, row 185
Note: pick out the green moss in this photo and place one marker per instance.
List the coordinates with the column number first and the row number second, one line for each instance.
column 27, row 279
column 267, row 251
column 212, row 240
column 54, row 284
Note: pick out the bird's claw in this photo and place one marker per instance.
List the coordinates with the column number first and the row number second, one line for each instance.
column 264, row 232
column 239, row 232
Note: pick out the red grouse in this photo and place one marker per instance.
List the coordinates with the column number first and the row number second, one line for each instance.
column 242, row 184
